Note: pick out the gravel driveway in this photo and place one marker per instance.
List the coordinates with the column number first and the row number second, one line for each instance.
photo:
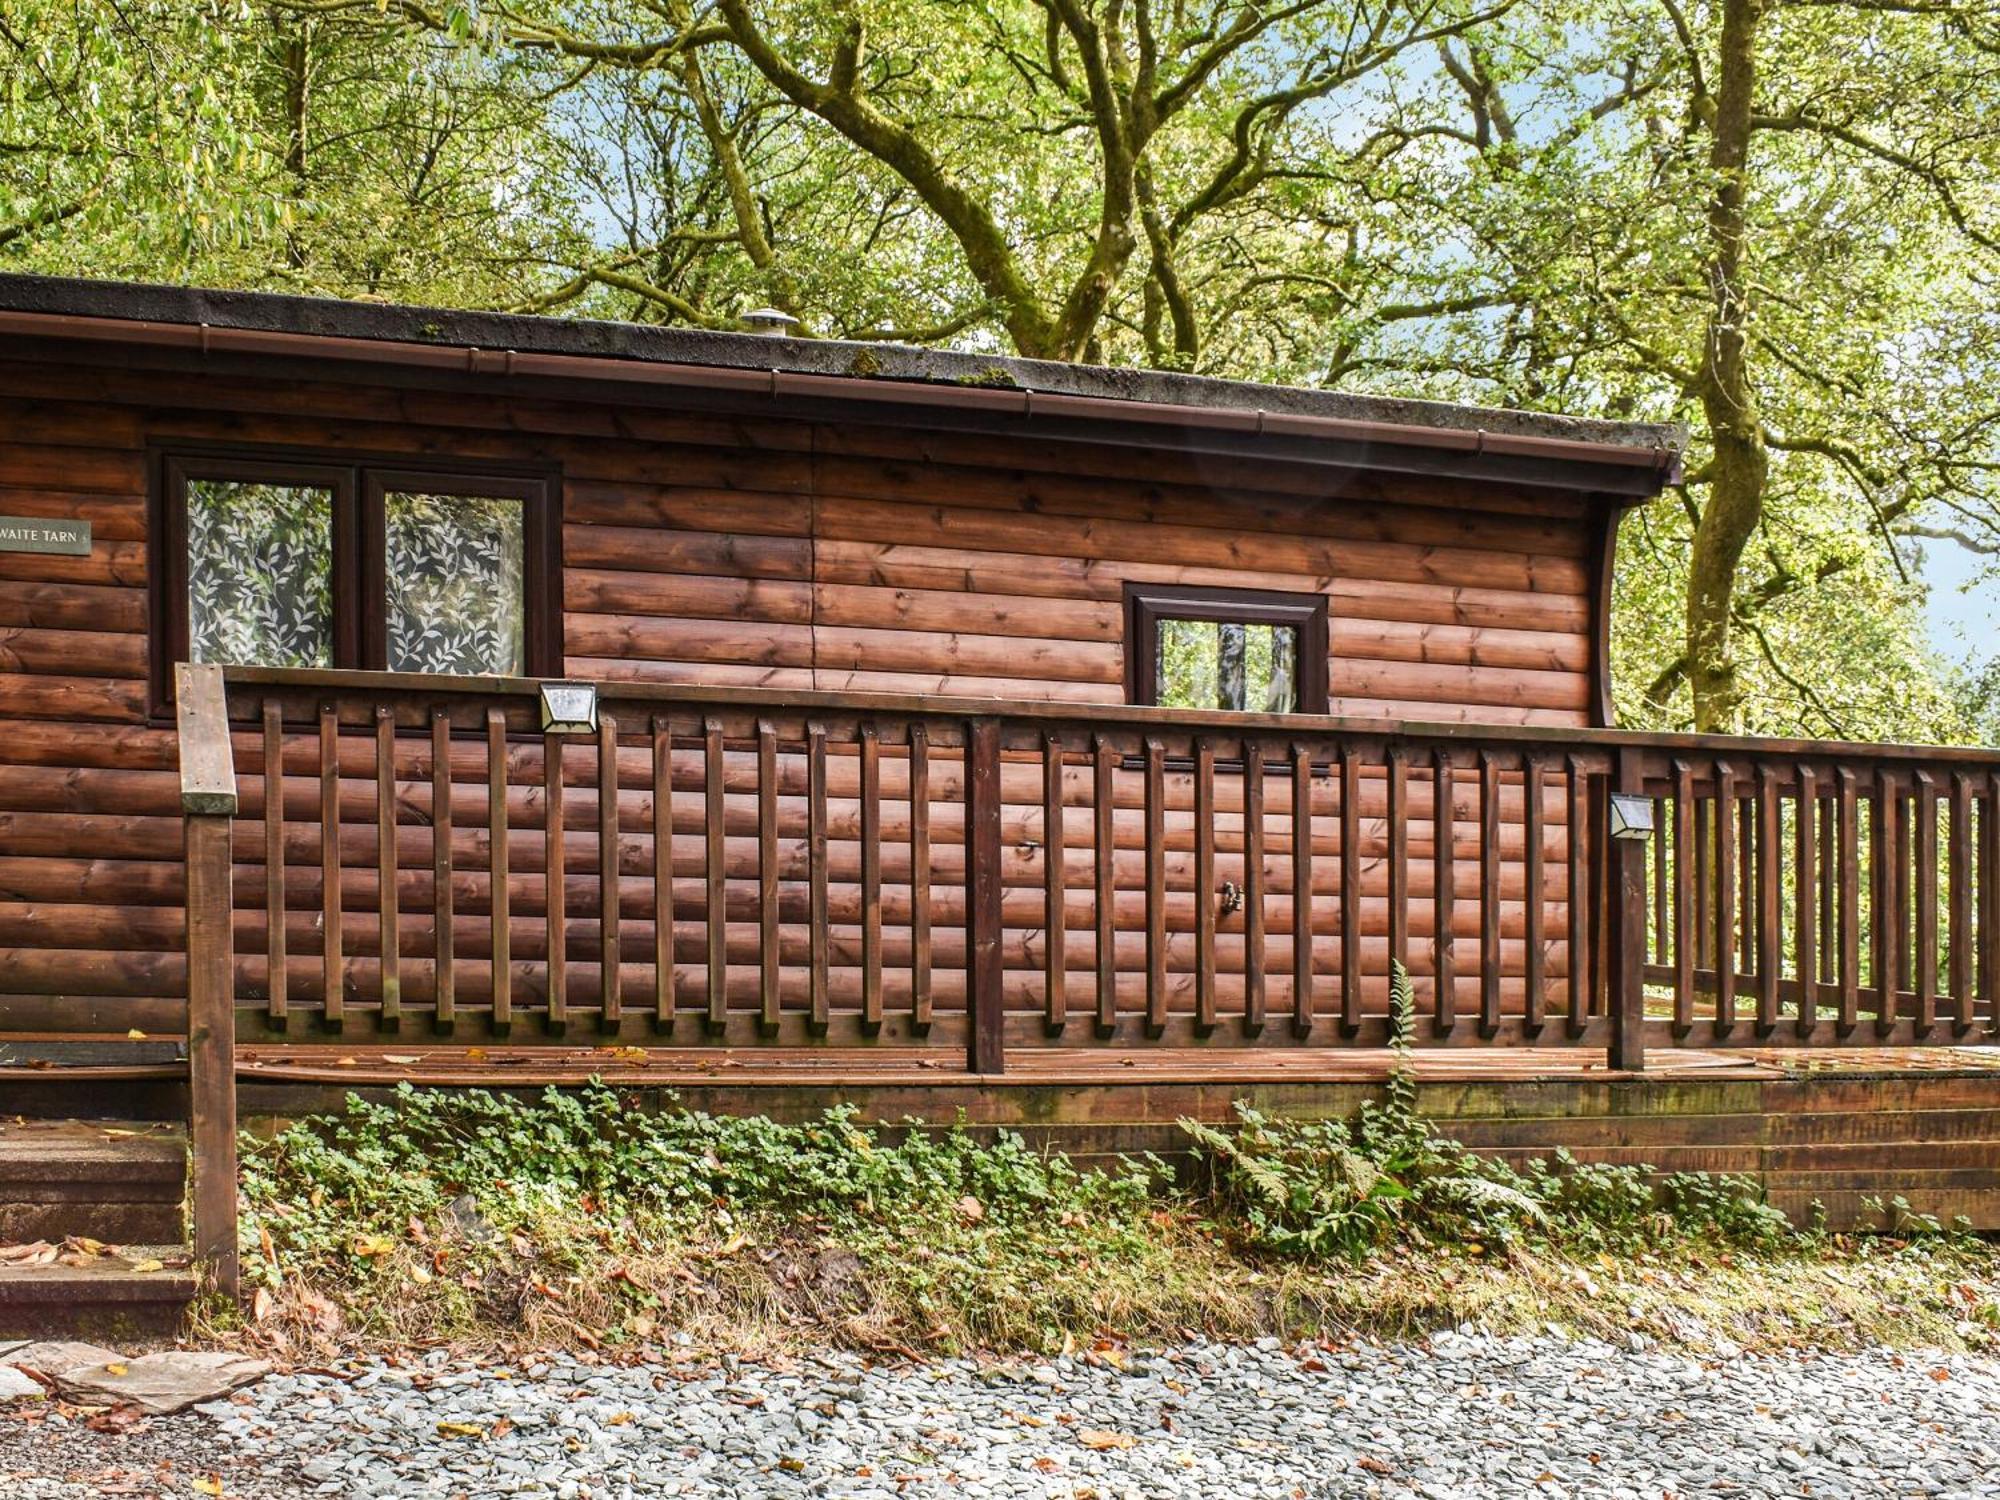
column 1462, row 1415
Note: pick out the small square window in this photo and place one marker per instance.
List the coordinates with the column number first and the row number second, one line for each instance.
column 1249, row 650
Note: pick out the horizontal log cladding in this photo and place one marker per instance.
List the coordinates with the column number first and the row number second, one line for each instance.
column 768, row 552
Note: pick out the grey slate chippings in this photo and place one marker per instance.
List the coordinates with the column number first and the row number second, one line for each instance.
column 1463, row 1414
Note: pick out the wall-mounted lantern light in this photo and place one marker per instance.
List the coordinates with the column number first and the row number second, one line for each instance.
column 569, row 708
column 1631, row 818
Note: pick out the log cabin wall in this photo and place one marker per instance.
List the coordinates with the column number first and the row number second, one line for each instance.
column 757, row 551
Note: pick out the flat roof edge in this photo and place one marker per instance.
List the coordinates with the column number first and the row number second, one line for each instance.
column 882, row 372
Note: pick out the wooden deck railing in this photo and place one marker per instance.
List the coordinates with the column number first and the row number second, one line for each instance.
column 414, row 856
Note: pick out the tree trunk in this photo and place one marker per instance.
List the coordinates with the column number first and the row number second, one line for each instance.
column 1229, row 663
column 1741, row 464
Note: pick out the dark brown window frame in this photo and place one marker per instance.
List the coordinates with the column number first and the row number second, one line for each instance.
column 358, row 482
column 1147, row 604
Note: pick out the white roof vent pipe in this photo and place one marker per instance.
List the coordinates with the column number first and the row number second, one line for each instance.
column 769, row 322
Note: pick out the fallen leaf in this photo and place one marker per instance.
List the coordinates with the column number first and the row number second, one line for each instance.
column 971, row 1209
column 402, row 1059
column 1098, row 1440
column 135, row 1035
column 619, row 1419
column 460, row 1429
column 212, row 1485
column 115, row 1368
column 147, row 1266
column 1372, row 1465
column 125, row 1414
column 345, row 1062
column 261, row 1304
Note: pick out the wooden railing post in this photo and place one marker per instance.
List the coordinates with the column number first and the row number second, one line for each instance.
column 1625, row 925
column 986, row 1016
column 208, row 804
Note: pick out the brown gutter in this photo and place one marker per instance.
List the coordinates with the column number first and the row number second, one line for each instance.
column 1003, row 401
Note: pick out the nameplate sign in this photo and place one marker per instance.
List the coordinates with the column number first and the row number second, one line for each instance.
column 34, row 534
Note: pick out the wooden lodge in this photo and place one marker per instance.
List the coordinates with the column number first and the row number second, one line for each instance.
column 1006, row 720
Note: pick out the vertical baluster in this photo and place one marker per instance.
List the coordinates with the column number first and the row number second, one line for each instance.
column 1885, row 858
column 1686, row 919
column 1156, row 888
column 1055, row 878
column 1489, row 894
column 1958, row 853
column 1925, row 959
column 1580, row 862
column 1253, row 888
column 1847, row 859
column 1746, row 877
column 499, row 905
column 1704, row 883
column 920, row 879
column 610, row 961
column 715, row 870
column 663, row 874
column 1829, row 893
column 767, row 878
column 1303, row 1001
column 555, row 861
column 1533, row 818
column 871, row 880
column 1398, row 813
column 1770, row 891
column 443, row 902
column 1989, row 901
column 986, row 1017
column 1725, row 898
column 1805, row 891
column 388, row 906
column 1204, row 886
column 1102, row 858
column 820, row 981
column 277, row 1001
column 1656, row 850
column 1350, row 883
column 1444, row 996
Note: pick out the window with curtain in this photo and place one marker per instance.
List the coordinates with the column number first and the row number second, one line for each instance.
column 309, row 564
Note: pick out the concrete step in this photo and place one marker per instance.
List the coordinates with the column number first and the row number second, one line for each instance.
column 121, row 1182
column 106, row 1297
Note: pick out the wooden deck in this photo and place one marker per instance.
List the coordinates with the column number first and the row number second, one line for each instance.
column 1836, row 1129
column 670, row 1067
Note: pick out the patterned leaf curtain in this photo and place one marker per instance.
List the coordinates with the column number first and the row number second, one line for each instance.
column 260, row 579
column 260, row 574
column 455, row 584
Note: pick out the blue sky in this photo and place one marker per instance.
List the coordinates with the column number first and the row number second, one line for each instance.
column 1963, row 621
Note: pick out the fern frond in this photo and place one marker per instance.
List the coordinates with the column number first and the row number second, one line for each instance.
column 1482, row 1194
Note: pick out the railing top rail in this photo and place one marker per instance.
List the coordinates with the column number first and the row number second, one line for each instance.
column 208, row 773
column 1086, row 716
